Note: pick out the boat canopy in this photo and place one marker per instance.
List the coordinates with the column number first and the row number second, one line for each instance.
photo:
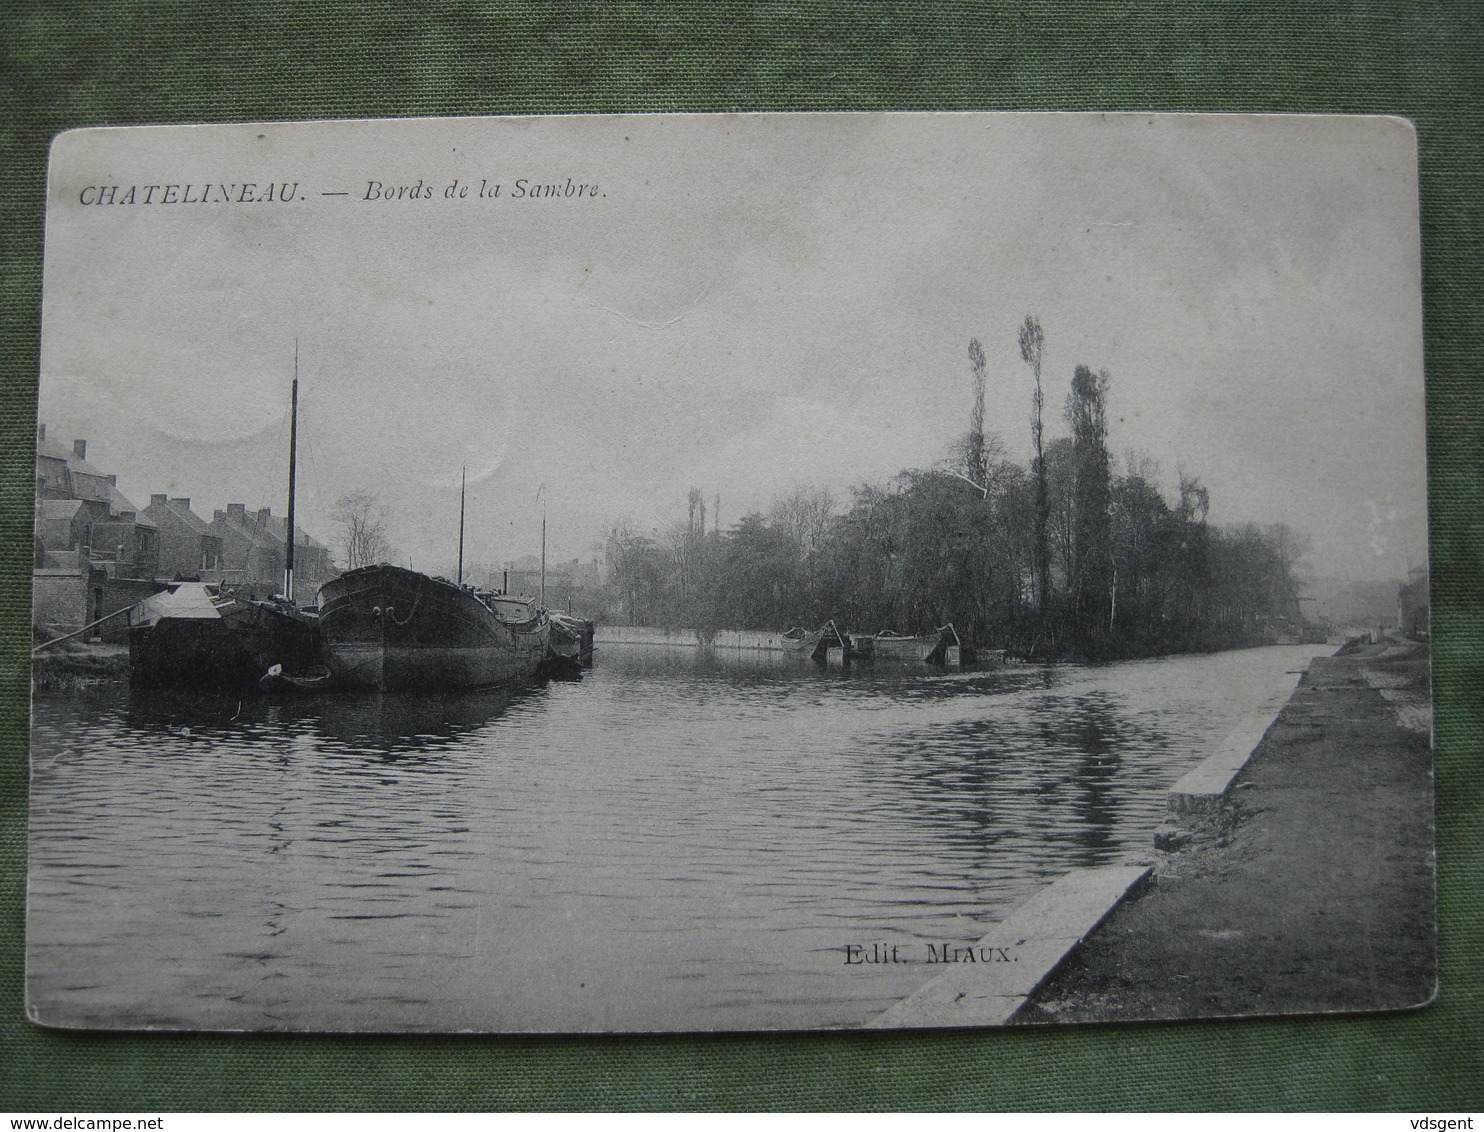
column 187, row 601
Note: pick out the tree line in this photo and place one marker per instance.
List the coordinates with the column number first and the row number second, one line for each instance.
column 1063, row 555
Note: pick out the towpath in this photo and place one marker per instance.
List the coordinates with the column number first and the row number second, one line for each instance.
column 1310, row 889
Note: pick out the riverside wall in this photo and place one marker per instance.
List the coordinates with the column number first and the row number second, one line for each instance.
column 740, row 639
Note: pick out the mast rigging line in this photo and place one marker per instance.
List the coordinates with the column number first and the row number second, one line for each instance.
column 289, row 536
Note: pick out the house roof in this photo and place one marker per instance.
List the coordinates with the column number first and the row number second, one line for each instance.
column 55, row 521
column 192, row 521
column 272, row 534
column 280, row 525
column 248, row 528
column 56, row 450
column 60, row 508
column 118, row 503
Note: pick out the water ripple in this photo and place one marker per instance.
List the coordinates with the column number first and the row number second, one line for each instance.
column 673, row 842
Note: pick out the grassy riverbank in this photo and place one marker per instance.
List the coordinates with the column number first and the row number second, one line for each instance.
column 1311, row 890
column 74, row 665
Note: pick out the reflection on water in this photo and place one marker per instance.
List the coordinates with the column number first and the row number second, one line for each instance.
column 677, row 841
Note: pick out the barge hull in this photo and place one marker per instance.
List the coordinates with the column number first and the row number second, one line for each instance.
column 388, row 629
column 195, row 639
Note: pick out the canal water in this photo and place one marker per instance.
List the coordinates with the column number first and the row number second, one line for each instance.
column 678, row 841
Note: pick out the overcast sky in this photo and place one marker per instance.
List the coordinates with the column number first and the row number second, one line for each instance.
column 747, row 304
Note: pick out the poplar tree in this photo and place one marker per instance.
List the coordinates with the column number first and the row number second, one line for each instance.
column 1086, row 413
column 1032, row 345
column 978, row 469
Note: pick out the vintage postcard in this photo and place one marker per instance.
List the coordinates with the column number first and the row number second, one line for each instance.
column 703, row 572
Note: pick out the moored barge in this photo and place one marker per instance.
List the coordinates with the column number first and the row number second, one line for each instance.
column 199, row 635
column 389, row 629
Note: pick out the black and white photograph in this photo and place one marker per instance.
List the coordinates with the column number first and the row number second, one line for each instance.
column 675, row 573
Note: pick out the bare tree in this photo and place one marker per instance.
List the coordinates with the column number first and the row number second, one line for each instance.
column 1287, row 548
column 1140, row 464
column 362, row 521
column 804, row 514
column 1195, row 500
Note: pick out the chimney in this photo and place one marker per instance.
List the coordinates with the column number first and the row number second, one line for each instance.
column 80, row 449
column 184, row 501
column 41, row 432
column 237, row 512
column 218, row 516
column 157, row 501
column 113, row 481
column 264, row 514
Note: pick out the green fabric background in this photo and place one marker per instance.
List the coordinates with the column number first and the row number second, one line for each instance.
column 105, row 63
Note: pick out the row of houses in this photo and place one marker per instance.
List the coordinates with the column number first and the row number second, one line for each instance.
column 96, row 553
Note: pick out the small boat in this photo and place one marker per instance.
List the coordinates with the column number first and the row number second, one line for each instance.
column 892, row 646
column 316, row 678
column 816, row 644
column 570, row 648
column 571, row 645
column 200, row 635
column 390, row 629
column 941, row 646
